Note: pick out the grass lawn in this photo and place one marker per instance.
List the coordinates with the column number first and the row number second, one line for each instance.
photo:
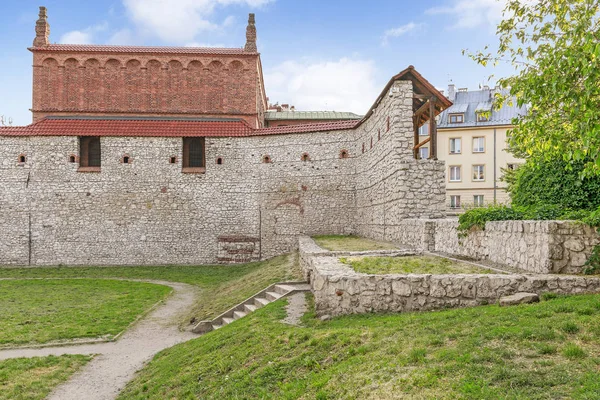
column 34, row 378
column 42, row 311
column 411, row 265
column 350, row 243
column 548, row 350
column 222, row 286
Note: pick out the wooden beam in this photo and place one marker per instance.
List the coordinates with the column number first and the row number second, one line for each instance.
column 422, row 109
column 421, row 96
column 416, row 136
column 423, row 143
column 432, row 129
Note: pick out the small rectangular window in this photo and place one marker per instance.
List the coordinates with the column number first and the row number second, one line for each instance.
column 455, row 146
column 90, row 156
column 423, row 152
column 512, row 167
column 478, row 172
column 193, row 155
column 456, row 118
column 478, row 200
column 482, row 117
column 455, row 173
column 454, row 201
column 478, row 144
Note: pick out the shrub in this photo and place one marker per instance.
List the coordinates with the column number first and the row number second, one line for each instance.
column 477, row 217
column 541, row 212
column 554, row 182
column 593, row 219
column 592, row 265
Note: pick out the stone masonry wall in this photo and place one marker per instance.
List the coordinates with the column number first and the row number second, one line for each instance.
column 339, row 290
column 150, row 213
column 533, row 246
column 390, row 183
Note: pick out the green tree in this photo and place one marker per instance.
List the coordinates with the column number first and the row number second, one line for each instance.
column 555, row 47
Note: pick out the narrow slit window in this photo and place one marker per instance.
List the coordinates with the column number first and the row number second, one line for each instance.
column 219, row 161
column 22, row 158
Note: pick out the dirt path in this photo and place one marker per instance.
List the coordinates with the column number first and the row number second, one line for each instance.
column 116, row 363
column 296, row 308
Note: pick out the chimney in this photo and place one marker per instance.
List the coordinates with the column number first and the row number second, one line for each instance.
column 251, row 35
column 451, row 92
column 42, row 30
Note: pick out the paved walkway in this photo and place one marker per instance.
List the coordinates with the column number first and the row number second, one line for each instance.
column 116, row 362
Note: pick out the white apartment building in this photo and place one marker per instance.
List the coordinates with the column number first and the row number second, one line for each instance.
column 472, row 139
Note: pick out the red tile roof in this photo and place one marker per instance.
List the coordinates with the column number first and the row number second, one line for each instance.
column 64, row 126
column 130, row 127
column 88, row 48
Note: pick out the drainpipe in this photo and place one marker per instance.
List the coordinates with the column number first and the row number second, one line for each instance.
column 495, row 182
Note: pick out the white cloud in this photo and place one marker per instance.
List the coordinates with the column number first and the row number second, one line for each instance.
column 399, row 31
column 342, row 85
column 85, row 36
column 472, row 13
column 181, row 20
column 122, row 37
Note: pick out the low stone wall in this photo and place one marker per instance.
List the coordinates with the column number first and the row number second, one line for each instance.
column 534, row 246
column 340, row 290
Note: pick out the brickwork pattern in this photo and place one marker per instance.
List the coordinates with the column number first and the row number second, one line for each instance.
column 69, row 83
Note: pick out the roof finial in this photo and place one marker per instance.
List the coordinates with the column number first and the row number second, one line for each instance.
column 251, row 35
column 42, row 29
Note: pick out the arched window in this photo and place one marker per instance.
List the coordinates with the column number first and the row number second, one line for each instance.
column 344, row 154
column 305, row 157
column 22, row 158
column 266, row 159
column 219, row 161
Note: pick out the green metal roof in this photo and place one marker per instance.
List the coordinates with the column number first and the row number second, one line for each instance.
column 310, row 115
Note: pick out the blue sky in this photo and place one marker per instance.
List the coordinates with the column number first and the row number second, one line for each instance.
column 317, row 55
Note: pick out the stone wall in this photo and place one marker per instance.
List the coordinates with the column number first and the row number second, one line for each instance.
column 339, row 290
column 533, row 246
column 389, row 181
column 150, row 213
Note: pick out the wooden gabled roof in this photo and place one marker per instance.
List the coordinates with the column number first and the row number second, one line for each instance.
column 423, row 91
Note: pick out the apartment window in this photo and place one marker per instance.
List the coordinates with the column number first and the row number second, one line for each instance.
column 512, row 167
column 455, row 146
column 456, row 118
column 478, row 172
column 454, row 201
column 89, row 153
column 193, row 155
column 478, row 200
column 423, row 152
column 455, row 173
column 478, row 144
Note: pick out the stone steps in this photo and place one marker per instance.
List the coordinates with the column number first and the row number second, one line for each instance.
column 261, row 299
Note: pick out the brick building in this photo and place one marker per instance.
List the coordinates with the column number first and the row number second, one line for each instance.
column 150, row 156
column 147, row 81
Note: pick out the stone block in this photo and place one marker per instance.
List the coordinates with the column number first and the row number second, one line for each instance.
column 519, row 298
